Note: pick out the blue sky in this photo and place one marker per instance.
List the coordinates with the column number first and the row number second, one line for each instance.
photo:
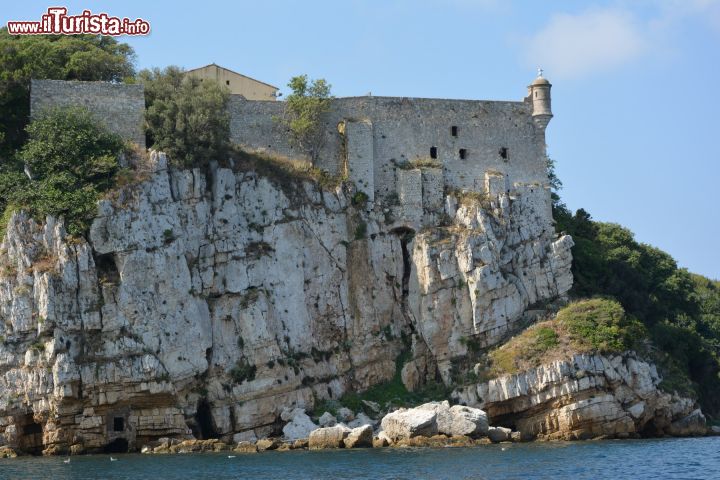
column 636, row 134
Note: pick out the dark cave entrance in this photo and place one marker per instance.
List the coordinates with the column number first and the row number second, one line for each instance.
column 119, row 445
column 650, row 430
column 203, row 419
column 106, row 268
column 32, row 436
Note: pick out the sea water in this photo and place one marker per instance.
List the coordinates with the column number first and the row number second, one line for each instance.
column 693, row 458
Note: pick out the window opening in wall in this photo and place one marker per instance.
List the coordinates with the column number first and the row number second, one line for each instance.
column 453, row 131
column 503, row 153
column 433, row 152
column 227, row 82
column 119, row 424
column 463, row 153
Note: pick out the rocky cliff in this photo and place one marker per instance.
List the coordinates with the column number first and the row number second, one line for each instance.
column 206, row 303
column 586, row 396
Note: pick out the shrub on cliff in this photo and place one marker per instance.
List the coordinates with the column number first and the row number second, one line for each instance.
column 186, row 118
column 71, row 159
column 304, row 109
column 600, row 325
column 595, row 325
column 58, row 57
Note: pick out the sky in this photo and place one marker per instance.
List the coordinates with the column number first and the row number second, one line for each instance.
column 636, row 135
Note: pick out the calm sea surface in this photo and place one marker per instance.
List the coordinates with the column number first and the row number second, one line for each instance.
column 675, row 458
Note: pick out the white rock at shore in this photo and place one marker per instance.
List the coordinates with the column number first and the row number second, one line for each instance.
column 404, row 423
column 300, row 425
column 327, row 420
column 359, row 437
column 328, row 437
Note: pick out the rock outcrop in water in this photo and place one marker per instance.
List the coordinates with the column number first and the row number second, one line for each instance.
column 203, row 305
column 584, row 397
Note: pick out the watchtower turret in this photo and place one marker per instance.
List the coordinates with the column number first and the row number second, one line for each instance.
column 539, row 91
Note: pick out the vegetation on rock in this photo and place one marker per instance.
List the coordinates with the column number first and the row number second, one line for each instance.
column 243, row 371
column 71, row 160
column 596, row 325
column 185, row 117
column 284, row 172
column 304, row 108
column 419, row 163
column 392, row 393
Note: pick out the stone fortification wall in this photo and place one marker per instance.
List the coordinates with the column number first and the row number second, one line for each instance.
column 364, row 137
column 467, row 137
column 119, row 106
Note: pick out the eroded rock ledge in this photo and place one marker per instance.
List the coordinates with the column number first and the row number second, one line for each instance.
column 586, row 396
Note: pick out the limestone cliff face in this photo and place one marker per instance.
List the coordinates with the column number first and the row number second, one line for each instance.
column 205, row 304
column 586, row 396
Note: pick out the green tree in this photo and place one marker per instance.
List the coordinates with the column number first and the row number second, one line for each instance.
column 707, row 295
column 72, row 159
column 184, row 117
column 554, row 181
column 304, row 109
column 58, row 57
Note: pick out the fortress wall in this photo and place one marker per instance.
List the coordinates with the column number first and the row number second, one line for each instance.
column 432, row 189
column 410, row 194
column 384, row 130
column 119, row 106
column 254, row 126
column 360, row 156
column 405, row 129
column 495, row 183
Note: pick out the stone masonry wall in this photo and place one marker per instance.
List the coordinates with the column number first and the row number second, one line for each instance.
column 360, row 156
column 494, row 136
column 119, row 106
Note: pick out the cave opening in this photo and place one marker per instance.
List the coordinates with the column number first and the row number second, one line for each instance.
column 119, row 445
column 650, row 430
column 203, row 419
column 32, row 435
column 32, row 428
column 106, row 268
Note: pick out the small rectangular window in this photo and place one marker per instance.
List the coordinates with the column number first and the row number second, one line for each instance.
column 227, row 82
column 433, row 152
column 503, row 153
column 463, row 153
column 119, row 424
column 453, row 131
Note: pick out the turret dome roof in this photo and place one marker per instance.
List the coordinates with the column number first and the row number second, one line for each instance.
column 540, row 81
